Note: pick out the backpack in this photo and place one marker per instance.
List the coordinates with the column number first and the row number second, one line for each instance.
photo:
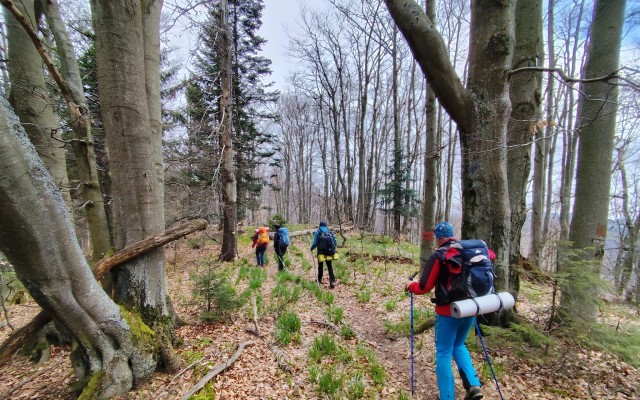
column 470, row 265
column 284, row 238
column 326, row 243
column 263, row 237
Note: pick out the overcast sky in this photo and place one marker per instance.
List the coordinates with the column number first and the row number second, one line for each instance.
column 278, row 18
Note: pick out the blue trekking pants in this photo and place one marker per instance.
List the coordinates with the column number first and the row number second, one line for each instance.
column 260, row 255
column 450, row 334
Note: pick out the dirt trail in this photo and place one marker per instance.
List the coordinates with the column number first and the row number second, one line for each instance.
column 394, row 353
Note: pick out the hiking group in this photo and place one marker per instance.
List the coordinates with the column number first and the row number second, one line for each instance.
column 323, row 240
column 457, row 270
column 260, row 241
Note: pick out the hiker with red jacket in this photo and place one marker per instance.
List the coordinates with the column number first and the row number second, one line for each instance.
column 326, row 243
column 260, row 242
column 450, row 333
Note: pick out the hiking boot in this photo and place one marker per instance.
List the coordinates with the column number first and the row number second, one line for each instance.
column 474, row 393
column 332, row 284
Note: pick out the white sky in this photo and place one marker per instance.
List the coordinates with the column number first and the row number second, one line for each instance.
column 278, row 18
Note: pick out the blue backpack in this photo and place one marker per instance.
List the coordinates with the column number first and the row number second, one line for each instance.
column 284, row 237
column 326, row 243
column 470, row 265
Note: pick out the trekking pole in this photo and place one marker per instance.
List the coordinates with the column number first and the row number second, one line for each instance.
column 486, row 355
column 412, row 334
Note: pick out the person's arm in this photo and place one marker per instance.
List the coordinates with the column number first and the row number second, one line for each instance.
column 315, row 241
column 428, row 277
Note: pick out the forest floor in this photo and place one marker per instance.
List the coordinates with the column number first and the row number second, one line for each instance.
column 327, row 359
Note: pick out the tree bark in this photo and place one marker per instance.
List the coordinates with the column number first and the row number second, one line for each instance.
column 524, row 123
column 432, row 153
column 485, row 199
column 50, row 263
column 596, row 121
column 82, row 143
column 229, row 184
column 30, row 98
column 18, row 338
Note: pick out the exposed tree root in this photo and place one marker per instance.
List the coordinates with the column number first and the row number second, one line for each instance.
column 18, row 337
column 281, row 359
column 217, row 370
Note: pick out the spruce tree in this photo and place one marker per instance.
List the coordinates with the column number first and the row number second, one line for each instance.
column 250, row 96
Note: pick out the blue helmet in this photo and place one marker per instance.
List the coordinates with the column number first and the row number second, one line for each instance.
column 443, row 230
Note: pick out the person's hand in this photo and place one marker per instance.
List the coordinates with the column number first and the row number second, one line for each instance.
column 406, row 286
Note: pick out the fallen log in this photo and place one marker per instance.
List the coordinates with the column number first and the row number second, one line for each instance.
column 18, row 337
column 217, row 370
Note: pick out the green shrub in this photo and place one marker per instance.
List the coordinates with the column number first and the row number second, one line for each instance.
column 257, row 278
column 219, row 295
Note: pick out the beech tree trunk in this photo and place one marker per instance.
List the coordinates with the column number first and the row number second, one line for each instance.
column 482, row 121
column 128, row 103
column 596, row 121
column 432, row 153
column 30, row 98
column 525, row 94
column 37, row 236
column 82, row 143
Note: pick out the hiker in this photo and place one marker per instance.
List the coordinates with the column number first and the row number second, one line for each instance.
column 326, row 243
column 450, row 333
column 260, row 242
column 280, row 244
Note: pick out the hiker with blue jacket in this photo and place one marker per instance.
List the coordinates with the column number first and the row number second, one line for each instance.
column 280, row 244
column 326, row 243
column 450, row 333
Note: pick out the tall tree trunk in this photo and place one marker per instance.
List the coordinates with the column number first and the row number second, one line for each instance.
column 524, row 122
column 30, row 98
column 541, row 145
column 431, row 156
column 485, row 198
column 396, row 180
column 37, row 236
column 596, row 121
column 123, row 42
column 83, row 140
column 229, row 194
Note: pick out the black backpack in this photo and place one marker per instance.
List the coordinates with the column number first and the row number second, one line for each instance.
column 326, row 243
column 470, row 268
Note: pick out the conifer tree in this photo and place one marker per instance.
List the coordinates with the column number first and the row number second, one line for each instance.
column 250, row 95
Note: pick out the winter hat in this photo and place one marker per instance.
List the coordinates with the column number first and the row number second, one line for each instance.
column 276, row 226
column 323, row 223
column 443, row 230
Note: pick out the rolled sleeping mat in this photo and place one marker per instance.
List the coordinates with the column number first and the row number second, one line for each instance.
column 482, row 305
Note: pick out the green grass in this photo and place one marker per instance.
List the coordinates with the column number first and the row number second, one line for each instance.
column 363, row 295
column 288, row 327
column 404, row 326
column 329, row 382
column 347, row 332
column 323, row 346
column 334, row 314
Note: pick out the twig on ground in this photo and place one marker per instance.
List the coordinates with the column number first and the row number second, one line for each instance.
column 325, row 324
column 217, row 370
